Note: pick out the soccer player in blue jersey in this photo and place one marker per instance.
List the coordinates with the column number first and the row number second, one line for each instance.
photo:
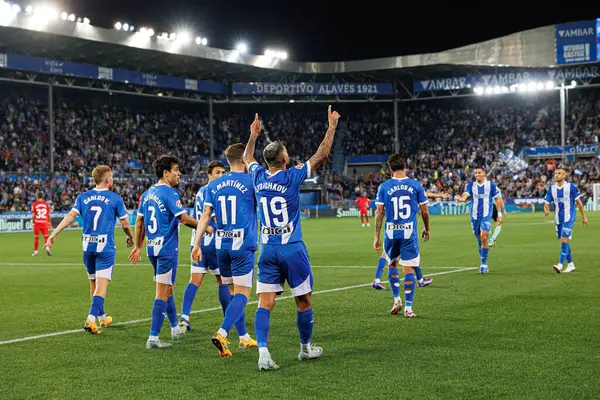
column 399, row 200
column 482, row 193
column 498, row 228
column 99, row 208
column 231, row 198
column 283, row 255
column 209, row 254
column 565, row 197
column 159, row 215
column 421, row 282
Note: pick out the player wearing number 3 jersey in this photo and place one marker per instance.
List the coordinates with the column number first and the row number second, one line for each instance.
column 399, row 200
column 99, row 208
column 283, row 256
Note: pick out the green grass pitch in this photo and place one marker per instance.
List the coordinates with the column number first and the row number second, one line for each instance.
column 521, row 331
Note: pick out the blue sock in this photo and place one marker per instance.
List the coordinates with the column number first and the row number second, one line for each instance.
column 97, row 305
column 224, row 297
column 188, row 298
column 479, row 244
column 261, row 326
column 380, row 266
column 409, row 289
column 569, row 256
column 234, row 311
column 172, row 312
column 564, row 252
column 101, row 312
column 418, row 273
column 484, row 254
column 158, row 316
column 394, row 282
column 304, row 320
column 240, row 324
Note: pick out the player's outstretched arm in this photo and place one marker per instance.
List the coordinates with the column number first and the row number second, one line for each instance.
column 66, row 221
column 425, row 216
column 438, row 195
column 138, row 240
column 196, row 254
column 584, row 219
column 379, row 214
column 325, row 147
column 462, row 198
column 255, row 129
column 546, row 209
column 188, row 221
column 126, row 226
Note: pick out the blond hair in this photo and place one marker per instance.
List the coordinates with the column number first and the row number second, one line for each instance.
column 99, row 173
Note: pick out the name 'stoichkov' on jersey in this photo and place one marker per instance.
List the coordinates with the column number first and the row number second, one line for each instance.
column 278, row 196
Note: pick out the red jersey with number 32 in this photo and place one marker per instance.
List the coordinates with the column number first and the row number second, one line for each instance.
column 363, row 203
column 41, row 213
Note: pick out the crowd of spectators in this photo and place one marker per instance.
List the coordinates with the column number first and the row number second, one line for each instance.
column 442, row 139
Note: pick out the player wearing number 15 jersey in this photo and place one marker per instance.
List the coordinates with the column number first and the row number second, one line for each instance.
column 231, row 197
column 99, row 208
column 283, row 255
column 399, row 200
column 158, row 217
column 41, row 222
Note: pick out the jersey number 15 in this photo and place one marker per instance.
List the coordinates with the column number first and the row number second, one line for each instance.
column 401, row 207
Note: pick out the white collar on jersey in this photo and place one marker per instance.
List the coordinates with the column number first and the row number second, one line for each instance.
column 100, row 190
column 160, row 184
column 481, row 184
column 399, row 179
column 560, row 187
column 270, row 174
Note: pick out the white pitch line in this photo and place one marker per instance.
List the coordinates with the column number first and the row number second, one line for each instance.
column 16, row 264
column 135, row 321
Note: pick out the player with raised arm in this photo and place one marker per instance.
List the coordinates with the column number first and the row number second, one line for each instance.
column 421, row 282
column 99, row 208
column 482, row 193
column 209, row 254
column 158, row 217
column 363, row 204
column 565, row 196
column 399, row 200
column 231, row 198
column 498, row 228
column 283, row 255
column 41, row 222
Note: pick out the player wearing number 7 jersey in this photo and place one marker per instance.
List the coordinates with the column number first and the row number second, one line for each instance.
column 99, row 208
column 283, row 255
column 399, row 200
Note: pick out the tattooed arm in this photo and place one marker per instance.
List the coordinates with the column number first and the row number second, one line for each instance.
column 325, row 147
column 255, row 129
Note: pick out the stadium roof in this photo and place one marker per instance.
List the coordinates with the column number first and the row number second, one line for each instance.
column 79, row 42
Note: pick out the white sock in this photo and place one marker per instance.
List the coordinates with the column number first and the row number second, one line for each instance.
column 571, row 264
column 305, row 347
column 222, row 332
column 377, row 280
column 408, row 308
column 263, row 351
column 92, row 318
column 186, row 317
column 102, row 317
column 153, row 338
column 560, row 266
column 246, row 337
column 175, row 329
column 397, row 299
column 421, row 280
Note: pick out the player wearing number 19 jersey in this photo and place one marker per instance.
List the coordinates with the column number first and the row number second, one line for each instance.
column 399, row 199
column 99, row 208
column 158, row 217
column 283, row 256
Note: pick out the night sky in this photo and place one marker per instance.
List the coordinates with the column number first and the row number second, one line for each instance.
column 330, row 31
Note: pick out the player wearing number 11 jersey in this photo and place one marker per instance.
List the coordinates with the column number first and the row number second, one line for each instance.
column 399, row 200
column 283, row 255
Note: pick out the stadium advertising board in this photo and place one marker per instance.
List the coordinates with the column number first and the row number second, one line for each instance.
column 584, row 149
column 89, row 71
column 22, row 222
column 312, row 89
column 507, row 78
column 576, row 43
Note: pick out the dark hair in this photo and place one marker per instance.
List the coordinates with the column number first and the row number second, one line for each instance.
column 272, row 154
column 563, row 167
column 396, row 162
column 235, row 153
column 213, row 165
column 40, row 195
column 162, row 164
column 478, row 166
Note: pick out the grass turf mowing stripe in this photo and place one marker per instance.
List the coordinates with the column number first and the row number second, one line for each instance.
column 45, row 335
column 16, row 264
